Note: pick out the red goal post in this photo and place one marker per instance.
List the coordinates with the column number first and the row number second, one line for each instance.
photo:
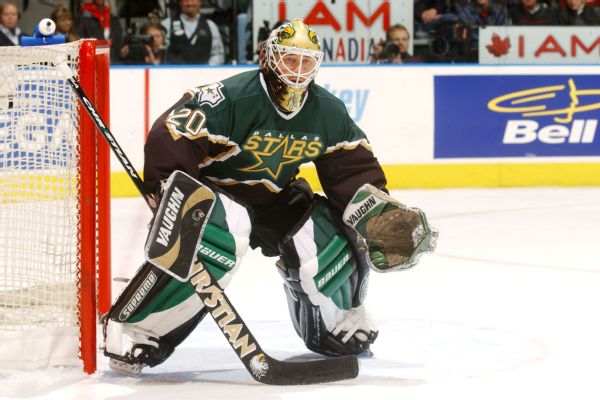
column 54, row 207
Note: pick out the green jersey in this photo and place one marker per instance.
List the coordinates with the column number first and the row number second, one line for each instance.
column 231, row 133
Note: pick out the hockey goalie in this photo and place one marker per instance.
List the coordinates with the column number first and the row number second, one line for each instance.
column 243, row 139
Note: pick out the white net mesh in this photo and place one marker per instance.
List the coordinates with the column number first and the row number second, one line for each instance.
column 38, row 208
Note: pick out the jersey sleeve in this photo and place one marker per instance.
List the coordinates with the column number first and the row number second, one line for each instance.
column 347, row 165
column 190, row 134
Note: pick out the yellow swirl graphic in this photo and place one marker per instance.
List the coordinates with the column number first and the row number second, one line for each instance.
column 516, row 102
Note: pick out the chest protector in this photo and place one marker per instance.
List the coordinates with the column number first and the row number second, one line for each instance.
column 193, row 50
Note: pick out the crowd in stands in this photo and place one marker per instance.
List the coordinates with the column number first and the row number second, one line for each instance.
column 454, row 24
column 191, row 37
column 444, row 30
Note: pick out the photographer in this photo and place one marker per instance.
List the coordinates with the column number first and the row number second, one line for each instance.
column 394, row 50
column 147, row 47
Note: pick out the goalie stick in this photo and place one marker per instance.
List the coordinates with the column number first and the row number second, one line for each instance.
column 262, row 367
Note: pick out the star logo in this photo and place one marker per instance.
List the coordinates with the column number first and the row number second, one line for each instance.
column 273, row 160
column 210, row 95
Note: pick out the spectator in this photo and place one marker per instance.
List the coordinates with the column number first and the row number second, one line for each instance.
column 158, row 48
column 146, row 48
column 428, row 11
column 480, row 13
column 576, row 13
column 63, row 18
column 395, row 47
column 193, row 39
column 547, row 4
column 434, row 25
column 244, row 30
column 10, row 33
column 98, row 22
column 530, row 12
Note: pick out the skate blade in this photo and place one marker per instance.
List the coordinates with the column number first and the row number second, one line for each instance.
column 133, row 370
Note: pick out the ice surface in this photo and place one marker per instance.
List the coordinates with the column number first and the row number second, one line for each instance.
column 507, row 308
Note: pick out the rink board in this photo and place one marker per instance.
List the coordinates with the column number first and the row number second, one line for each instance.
column 543, row 131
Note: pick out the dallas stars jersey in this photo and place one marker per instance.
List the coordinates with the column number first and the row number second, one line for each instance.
column 231, row 133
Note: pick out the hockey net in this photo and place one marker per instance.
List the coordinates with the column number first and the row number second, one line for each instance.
column 54, row 232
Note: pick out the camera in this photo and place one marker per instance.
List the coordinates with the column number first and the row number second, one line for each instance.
column 137, row 49
column 390, row 50
column 137, row 45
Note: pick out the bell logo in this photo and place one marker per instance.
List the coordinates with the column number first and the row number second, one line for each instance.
column 527, row 131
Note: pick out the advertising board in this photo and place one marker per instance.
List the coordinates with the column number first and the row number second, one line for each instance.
column 516, row 115
column 347, row 29
column 539, row 45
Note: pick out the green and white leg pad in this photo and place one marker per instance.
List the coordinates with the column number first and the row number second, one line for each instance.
column 326, row 278
column 157, row 311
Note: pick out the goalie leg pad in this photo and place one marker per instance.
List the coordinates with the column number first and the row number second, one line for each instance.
column 156, row 311
column 150, row 318
column 326, row 278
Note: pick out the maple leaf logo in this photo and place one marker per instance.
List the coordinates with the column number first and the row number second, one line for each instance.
column 499, row 47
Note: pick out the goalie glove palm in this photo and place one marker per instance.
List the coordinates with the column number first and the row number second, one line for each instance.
column 396, row 235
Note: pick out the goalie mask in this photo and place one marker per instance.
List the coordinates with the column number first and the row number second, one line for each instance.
column 290, row 59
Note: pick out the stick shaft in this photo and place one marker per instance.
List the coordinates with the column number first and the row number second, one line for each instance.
column 103, row 129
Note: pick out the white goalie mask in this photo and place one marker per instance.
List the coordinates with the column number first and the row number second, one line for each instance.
column 293, row 54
